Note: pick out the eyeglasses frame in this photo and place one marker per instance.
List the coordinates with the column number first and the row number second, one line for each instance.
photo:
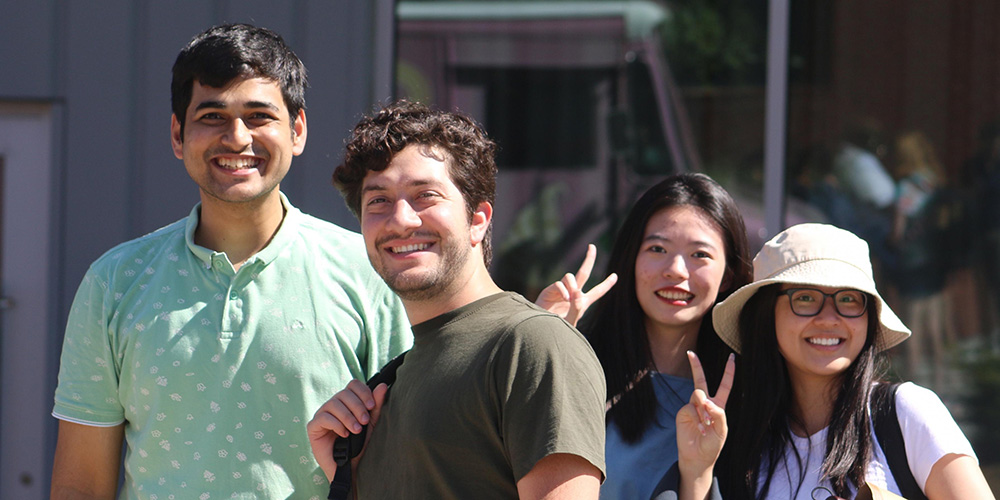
column 833, row 296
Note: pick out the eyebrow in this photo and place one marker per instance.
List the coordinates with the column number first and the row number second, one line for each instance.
column 698, row 243
column 222, row 105
column 413, row 183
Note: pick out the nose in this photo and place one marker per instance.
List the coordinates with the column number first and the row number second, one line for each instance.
column 829, row 310
column 675, row 267
column 404, row 217
column 237, row 137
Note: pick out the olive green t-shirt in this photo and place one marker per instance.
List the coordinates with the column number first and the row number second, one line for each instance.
column 487, row 391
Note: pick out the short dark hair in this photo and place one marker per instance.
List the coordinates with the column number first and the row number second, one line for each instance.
column 615, row 324
column 470, row 154
column 223, row 53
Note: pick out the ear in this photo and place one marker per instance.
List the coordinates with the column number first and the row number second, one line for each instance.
column 299, row 130
column 481, row 220
column 176, row 141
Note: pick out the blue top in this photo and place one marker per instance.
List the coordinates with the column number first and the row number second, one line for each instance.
column 634, row 469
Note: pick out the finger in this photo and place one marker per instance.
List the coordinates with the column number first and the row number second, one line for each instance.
column 716, row 415
column 349, row 406
column 577, row 300
column 360, row 390
column 726, row 384
column 572, row 286
column 563, row 291
column 321, row 443
column 583, row 274
column 602, row 288
column 580, row 302
column 324, row 423
column 379, row 396
column 698, row 402
column 697, row 372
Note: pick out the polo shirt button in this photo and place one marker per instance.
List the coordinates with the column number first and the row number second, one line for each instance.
column 234, row 296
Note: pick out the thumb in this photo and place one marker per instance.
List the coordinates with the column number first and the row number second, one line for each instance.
column 379, row 396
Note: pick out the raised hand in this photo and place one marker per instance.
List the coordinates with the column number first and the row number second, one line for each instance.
column 702, row 429
column 343, row 414
column 566, row 297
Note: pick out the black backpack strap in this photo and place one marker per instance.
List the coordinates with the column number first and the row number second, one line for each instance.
column 890, row 438
column 344, row 449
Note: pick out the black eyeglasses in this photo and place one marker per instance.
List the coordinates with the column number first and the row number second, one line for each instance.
column 809, row 301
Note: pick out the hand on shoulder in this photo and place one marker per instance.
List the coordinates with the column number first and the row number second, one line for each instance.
column 342, row 415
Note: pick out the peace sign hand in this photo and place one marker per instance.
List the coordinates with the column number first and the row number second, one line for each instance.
column 566, row 297
column 702, row 429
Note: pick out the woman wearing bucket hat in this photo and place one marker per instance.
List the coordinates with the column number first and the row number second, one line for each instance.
column 810, row 331
column 681, row 248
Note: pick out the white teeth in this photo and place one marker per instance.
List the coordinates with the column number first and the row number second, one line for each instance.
column 410, row 248
column 237, row 163
column 673, row 295
column 824, row 341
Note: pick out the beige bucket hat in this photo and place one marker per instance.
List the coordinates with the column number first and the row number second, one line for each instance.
column 811, row 254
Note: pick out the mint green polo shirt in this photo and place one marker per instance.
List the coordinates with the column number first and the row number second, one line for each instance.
column 216, row 372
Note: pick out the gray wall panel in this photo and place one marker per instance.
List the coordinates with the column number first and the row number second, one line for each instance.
column 28, row 41
column 100, row 93
column 339, row 58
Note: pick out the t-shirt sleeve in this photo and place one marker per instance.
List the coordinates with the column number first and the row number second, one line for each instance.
column 929, row 430
column 551, row 393
column 87, row 391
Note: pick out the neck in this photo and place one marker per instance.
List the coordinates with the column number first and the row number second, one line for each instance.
column 813, row 401
column 239, row 230
column 460, row 292
column 669, row 347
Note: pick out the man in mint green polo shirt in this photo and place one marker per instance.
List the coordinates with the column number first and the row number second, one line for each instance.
column 208, row 344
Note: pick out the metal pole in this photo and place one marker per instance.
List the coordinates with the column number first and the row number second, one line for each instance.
column 775, row 116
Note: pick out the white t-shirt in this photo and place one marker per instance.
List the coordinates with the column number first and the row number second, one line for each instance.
column 862, row 175
column 929, row 432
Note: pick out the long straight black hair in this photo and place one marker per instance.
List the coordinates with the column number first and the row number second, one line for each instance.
column 615, row 324
column 760, row 409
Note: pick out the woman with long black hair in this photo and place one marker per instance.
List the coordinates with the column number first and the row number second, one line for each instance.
column 810, row 332
column 682, row 247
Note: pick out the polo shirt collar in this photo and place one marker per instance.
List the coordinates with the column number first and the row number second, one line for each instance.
column 282, row 239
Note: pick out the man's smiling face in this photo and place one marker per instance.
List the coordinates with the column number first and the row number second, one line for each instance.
column 238, row 141
column 416, row 226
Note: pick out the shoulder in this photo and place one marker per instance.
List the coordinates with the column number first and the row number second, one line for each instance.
column 912, row 399
column 929, row 431
column 130, row 257
column 925, row 420
column 527, row 321
column 328, row 235
column 531, row 333
column 334, row 243
column 327, row 244
column 336, row 260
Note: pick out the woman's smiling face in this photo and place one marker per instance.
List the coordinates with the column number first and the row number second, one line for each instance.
column 823, row 345
column 680, row 267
